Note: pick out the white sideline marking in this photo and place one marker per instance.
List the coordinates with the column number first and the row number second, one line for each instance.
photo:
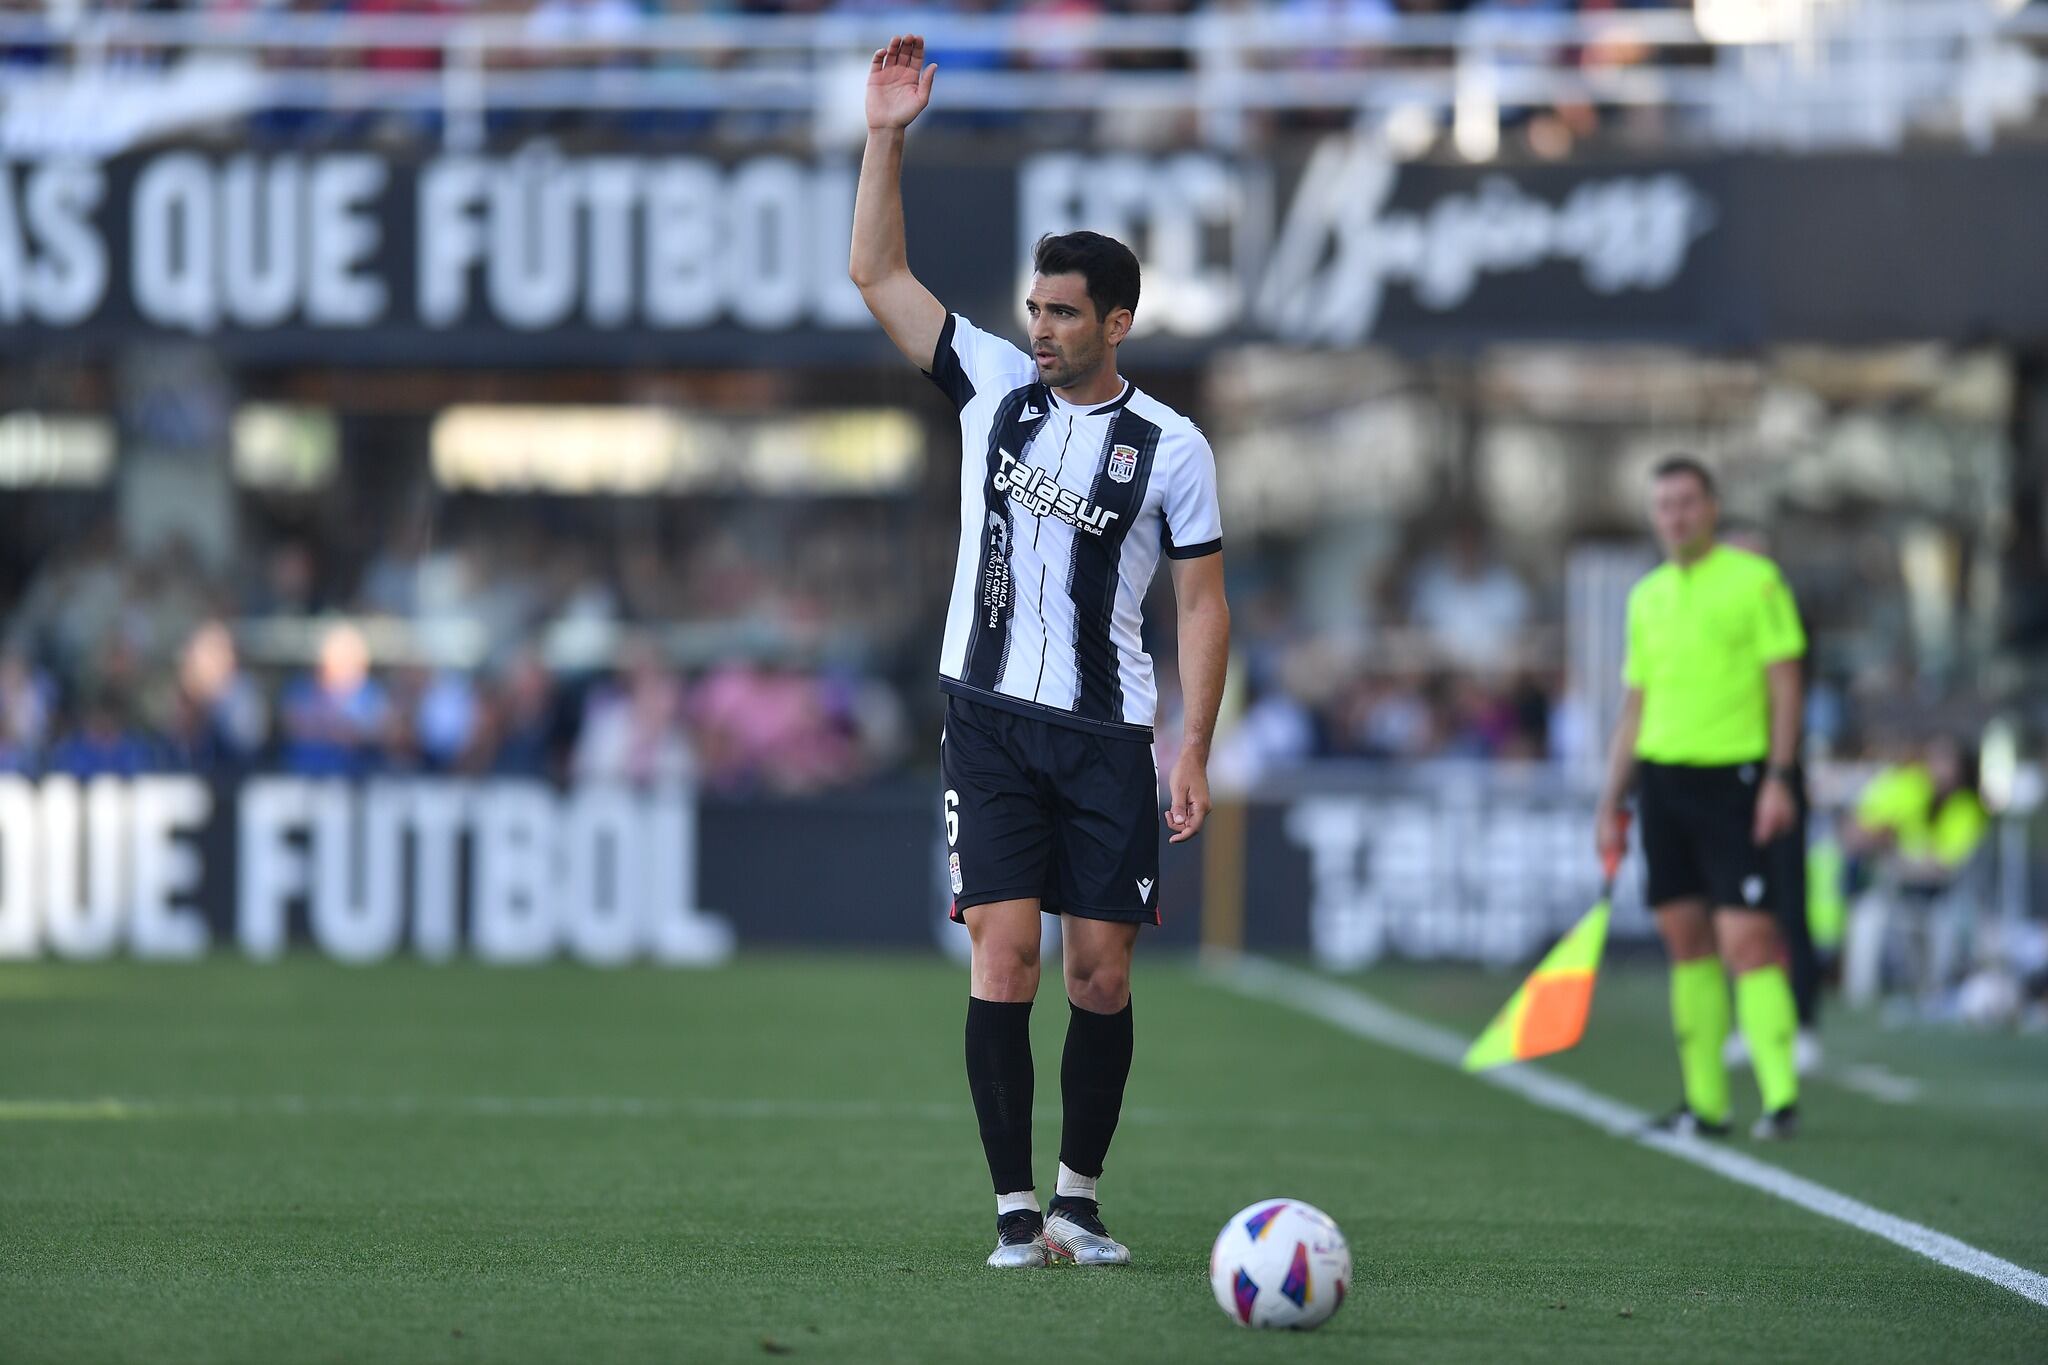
column 477, row 1106
column 1366, row 1018
column 44, row 1108
column 1875, row 1082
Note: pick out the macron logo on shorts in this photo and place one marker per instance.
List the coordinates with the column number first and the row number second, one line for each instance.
column 1144, row 888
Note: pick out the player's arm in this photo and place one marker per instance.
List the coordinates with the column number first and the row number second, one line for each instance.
column 1610, row 836
column 1783, row 641
column 899, row 87
column 1204, row 618
column 1776, row 811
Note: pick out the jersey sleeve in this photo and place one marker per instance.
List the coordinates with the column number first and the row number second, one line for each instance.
column 968, row 361
column 1894, row 798
column 1193, row 521
column 1779, row 634
column 1959, row 827
column 1633, row 671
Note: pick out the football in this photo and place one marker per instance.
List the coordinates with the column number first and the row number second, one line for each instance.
column 1280, row 1263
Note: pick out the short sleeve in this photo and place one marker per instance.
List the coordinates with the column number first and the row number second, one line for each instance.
column 1779, row 635
column 1894, row 798
column 1959, row 827
column 1633, row 673
column 1193, row 524
column 968, row 361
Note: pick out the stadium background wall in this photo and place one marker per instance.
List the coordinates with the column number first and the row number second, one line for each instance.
column 357, row 257
column 514, row 871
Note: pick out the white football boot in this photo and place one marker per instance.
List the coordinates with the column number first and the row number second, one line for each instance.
column 1806, row 1053
column 1074, row 1232
column 1020, row 1240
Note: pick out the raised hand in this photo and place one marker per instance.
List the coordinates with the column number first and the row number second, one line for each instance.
column 899, row 84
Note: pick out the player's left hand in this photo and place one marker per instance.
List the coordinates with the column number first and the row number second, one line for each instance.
column 1188, row 789
column 1774, row 811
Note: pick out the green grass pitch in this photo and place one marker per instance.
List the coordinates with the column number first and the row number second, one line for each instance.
column 315, row 1163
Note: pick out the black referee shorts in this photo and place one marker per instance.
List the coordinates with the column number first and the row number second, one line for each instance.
column 1697, row 826
column 1035, row 809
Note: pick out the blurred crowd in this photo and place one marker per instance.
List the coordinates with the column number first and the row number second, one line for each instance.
column 791, row 655
column 1460, row 663
column 602, row 36
column 746, row 644
column 528, row 663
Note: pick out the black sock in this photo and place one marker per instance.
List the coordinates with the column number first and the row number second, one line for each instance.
column 999, row 1076
column 1093, row 1069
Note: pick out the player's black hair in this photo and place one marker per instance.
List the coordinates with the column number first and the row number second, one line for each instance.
column 1672, row 465
column 1109, row 267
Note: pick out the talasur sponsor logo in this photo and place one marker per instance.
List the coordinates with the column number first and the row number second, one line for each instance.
column 1040, row 494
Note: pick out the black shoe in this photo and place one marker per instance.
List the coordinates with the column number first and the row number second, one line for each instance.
column 1020, row 1239
column 1777, row 1125
column 1682, row 1122
column 1074, row 1232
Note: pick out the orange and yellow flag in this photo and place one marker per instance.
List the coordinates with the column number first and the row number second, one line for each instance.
column 1548, row 1014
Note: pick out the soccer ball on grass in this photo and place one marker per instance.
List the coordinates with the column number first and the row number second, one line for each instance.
column 1280, row 1263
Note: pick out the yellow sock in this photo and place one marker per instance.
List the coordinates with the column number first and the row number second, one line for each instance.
column 1699, row 1016
column 1770, row 1024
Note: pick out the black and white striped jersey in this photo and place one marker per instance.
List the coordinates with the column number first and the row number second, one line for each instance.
column 1064, row 512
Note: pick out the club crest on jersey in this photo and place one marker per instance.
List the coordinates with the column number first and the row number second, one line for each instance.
column 1123, row 463
column 1040, row 494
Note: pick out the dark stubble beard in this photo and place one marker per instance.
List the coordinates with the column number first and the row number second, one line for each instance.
column 1073, row 370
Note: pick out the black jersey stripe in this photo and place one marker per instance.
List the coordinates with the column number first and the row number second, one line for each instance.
column 995, row 590
column 1207, row 547
column 1092, row 576
column 946, row 370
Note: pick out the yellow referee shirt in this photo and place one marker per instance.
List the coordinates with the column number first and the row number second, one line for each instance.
column 1902, row 800
column 1699, row 640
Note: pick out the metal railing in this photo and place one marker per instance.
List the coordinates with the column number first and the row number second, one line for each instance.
column 1807, row 72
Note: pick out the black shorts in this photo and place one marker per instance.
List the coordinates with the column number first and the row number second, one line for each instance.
column 1036, row 809
column 1697, row 827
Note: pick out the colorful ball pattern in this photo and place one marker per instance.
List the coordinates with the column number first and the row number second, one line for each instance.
column 1280, row 1263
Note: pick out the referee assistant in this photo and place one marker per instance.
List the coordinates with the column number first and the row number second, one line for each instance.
column 1708, row 733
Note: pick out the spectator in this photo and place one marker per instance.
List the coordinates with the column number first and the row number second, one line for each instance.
column 106, row 742
column 219, row 719
column 75, row 603
column 633, row 731
column 769, row 727
column 289, row 585
column 1925, row 816
column 27, row 700
column 1276, row 731
column 525, row 720
column 400, row 58
column 1474, row 606
column 335, row 718
column 447, row 720
column 1394, row 720
column 391, row 580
